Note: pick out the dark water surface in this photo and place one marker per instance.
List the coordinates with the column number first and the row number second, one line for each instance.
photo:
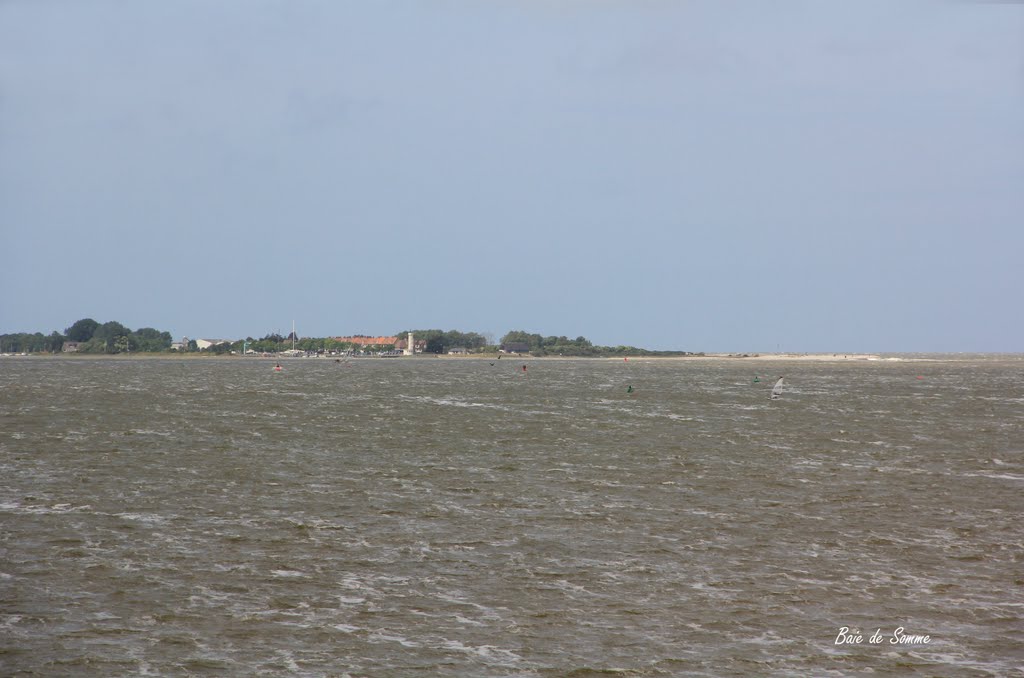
column 417, row 517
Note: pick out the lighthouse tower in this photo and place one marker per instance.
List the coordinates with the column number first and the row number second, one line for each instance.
column 409, row 346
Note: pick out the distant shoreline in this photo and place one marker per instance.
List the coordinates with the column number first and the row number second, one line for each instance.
column 732, row 357
column 791, row 358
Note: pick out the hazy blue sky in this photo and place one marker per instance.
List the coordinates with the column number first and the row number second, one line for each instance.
column 716, row 176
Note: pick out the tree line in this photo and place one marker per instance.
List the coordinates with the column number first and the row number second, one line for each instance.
column 112, row 337
column 91, row 337
column 580, row 346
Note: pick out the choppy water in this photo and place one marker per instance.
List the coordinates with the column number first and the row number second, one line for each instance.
column 418, row 517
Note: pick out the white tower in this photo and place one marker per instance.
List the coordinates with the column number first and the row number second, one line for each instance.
column 409, row 347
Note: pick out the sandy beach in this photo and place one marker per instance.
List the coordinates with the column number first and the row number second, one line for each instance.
column 803, row 357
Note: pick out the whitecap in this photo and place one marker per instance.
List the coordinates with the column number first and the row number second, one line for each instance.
column 378, row 637
column 345, row 628
column 463, row 620
column 490, row 652
column 995, row 476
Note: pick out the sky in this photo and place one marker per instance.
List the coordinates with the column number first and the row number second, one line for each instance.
column 686, row 175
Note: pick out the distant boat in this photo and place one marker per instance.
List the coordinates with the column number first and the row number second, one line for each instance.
column 293, row 352
column 777, row 390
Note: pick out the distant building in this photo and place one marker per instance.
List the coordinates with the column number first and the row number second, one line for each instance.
column 69, row 347
column 515, row 347
column 458, row 350
column 368, row 341
column 419, row 345
column 203, row 344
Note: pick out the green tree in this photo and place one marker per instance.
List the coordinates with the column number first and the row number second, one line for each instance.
column 436, row 345
column 55, row 342
column 95, row 345
column 82, row 330
column 110, row 331
column 150, row 339
column 534, row 341
column 221, row 349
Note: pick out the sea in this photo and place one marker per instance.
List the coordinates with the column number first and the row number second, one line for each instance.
column 512, row 517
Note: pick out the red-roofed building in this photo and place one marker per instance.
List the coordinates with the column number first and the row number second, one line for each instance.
column 368, row 341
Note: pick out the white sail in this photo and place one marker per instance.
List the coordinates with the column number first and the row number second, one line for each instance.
column 777, row 389
column 293, row 352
